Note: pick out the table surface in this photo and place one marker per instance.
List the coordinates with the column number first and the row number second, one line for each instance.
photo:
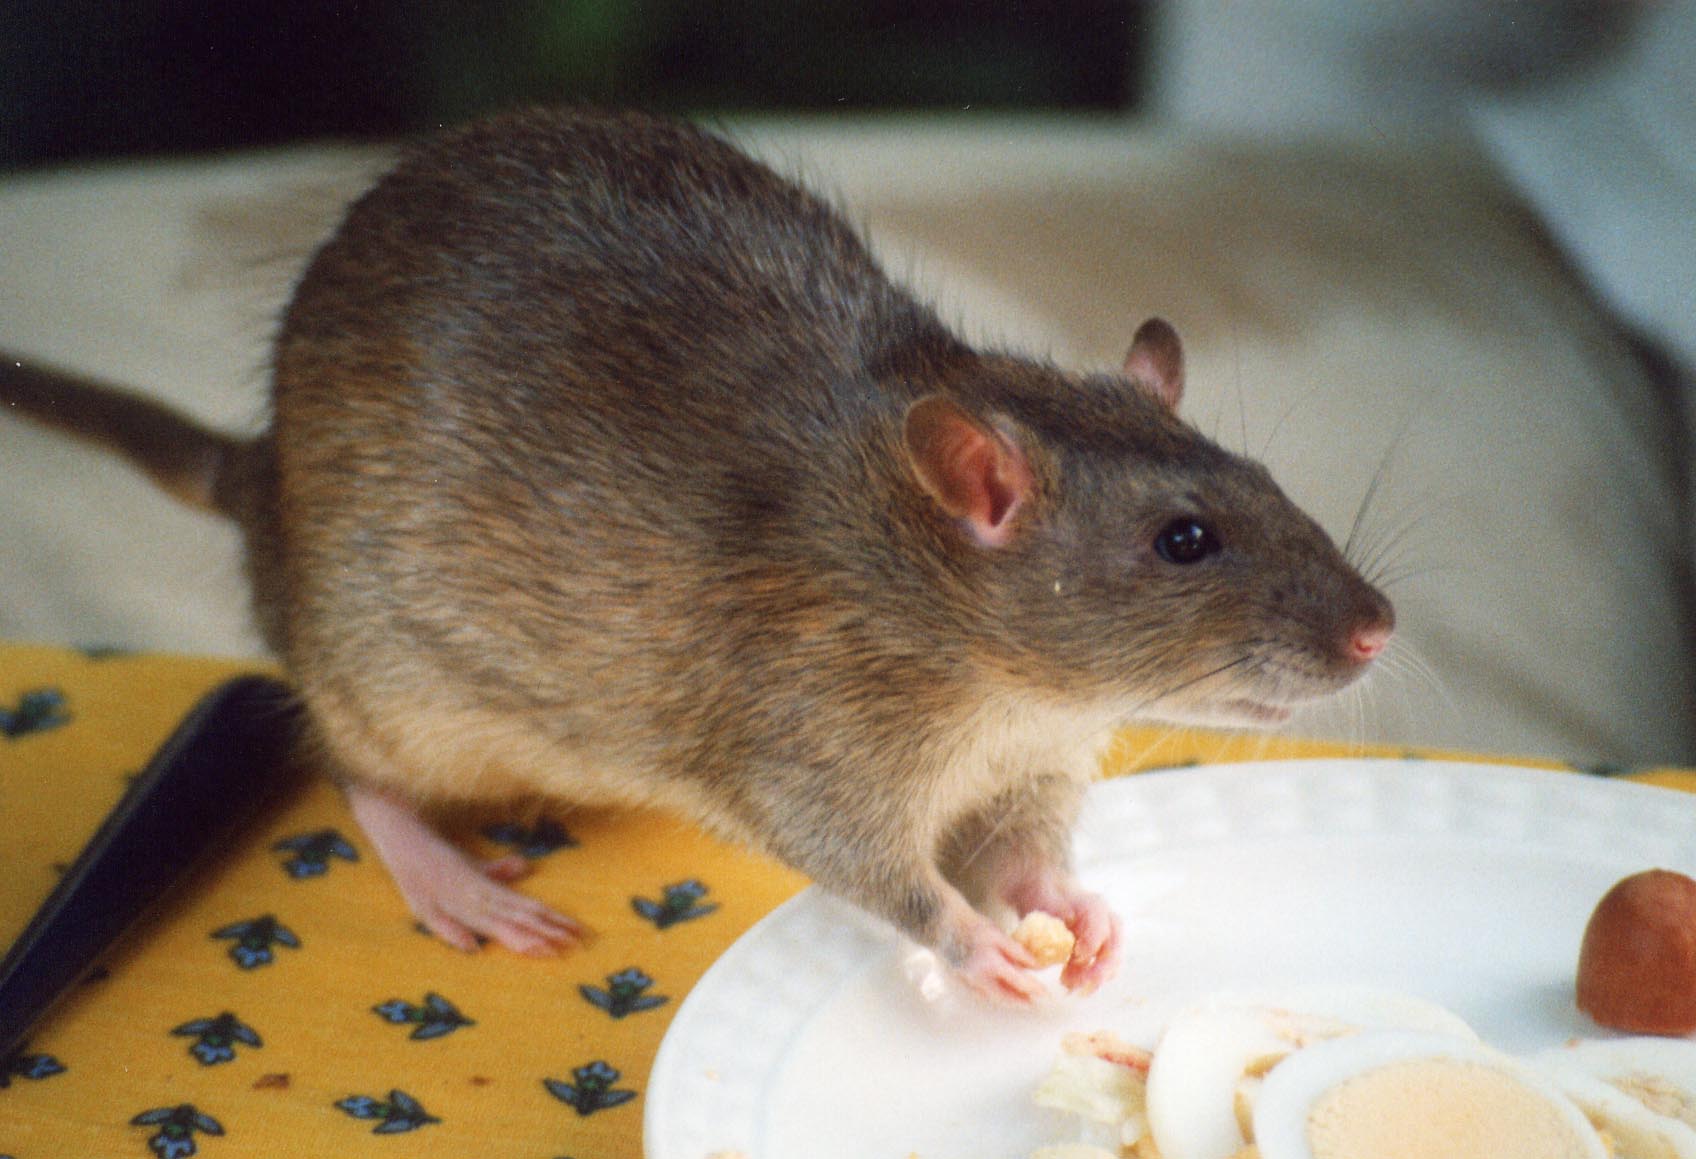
column 283, row 1002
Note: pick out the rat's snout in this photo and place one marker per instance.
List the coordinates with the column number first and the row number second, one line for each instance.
column 1371, row 633
column 1368, row 641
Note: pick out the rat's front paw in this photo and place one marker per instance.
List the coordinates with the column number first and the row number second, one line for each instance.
column 1094, row 927
column 997, row 967
column 1095, row 949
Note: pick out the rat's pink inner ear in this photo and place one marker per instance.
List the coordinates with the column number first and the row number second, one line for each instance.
column 1155, row 361
column 973, row 471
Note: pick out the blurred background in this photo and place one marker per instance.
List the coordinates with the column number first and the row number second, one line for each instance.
column 84, row 78
column 80, row 78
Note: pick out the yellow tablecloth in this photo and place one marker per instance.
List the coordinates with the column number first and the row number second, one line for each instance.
column 336, row 1028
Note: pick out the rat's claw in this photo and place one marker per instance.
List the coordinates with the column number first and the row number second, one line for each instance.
column 1095, row 954
column 999, row 968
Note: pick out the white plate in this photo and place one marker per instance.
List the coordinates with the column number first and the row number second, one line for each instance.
column 1467, row 884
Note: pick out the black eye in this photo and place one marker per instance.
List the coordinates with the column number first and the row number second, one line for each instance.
column 1185, row 541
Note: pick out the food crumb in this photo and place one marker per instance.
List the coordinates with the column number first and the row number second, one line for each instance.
column 1046, row 937
column 271, row 1082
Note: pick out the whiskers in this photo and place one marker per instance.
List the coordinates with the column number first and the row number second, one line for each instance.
column 1388, row 552
column 1380, row 705
column 1171, row 693
column 1403, row 663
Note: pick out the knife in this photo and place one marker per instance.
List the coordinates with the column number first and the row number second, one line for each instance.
column 228, row 758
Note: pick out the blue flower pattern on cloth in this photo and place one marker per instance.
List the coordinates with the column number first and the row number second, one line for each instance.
column 398, row 1113
column 256, row 939
column 207, row 1102
column 435, row 1017
column 624, row 993
column 216, row 1038
column 531, row 841
column 592, row 1089
column 37, row 711
column 679, row 903
column 34, row 1067
column 177, row 1128
column 312, row 852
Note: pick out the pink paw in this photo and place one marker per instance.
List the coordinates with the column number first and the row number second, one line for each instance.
column 1095, row 953
column 1094, row 926
column 999, row 968
column 457, row 899
column 464, row 903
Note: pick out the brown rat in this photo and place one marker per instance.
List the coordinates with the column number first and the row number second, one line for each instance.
column 606, row 464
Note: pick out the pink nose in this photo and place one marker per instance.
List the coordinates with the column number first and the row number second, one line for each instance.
column 1368, row 641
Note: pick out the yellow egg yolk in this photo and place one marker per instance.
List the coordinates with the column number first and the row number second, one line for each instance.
column 1438, row 1108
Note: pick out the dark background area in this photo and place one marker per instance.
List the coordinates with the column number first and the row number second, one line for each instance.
column 88, row 78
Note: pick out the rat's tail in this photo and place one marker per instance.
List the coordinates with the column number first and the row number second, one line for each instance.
column 199, row 466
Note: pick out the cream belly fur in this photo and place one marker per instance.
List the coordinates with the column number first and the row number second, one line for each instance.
column 440, row 751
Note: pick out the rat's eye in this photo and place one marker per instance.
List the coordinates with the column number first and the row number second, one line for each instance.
column 1184, row 541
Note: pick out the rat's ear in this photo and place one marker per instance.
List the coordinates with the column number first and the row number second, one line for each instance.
column 1156, row 361
column 971, row 469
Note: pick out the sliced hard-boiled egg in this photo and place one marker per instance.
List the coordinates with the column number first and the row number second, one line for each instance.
column 1388, row 1094
column 1635, row 1131
column 1192, row 1082
column 1212, row 1055
column 1641, row 1091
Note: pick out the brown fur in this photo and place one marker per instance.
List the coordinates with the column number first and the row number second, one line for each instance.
column 588, row 473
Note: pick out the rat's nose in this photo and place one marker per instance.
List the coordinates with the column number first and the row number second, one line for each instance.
column 1369, row 640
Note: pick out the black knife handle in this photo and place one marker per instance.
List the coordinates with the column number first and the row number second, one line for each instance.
column 221, row 764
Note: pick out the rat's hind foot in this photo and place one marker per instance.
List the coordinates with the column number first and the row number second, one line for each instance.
column 459, row 900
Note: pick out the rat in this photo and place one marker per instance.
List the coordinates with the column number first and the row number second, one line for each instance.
column 605, row 463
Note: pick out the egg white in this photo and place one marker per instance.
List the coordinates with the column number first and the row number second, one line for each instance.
column 1208, row 1048
column 1293, row 1088
column 1605, row 1077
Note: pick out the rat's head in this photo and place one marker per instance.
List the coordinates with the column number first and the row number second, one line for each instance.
column 1125, row 559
